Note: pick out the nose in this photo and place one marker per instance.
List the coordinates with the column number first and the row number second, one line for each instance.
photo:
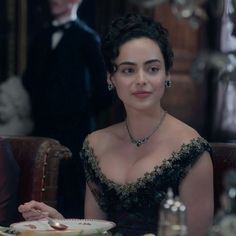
column 141, row 79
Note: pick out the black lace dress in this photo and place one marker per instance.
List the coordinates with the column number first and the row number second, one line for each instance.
column 134, row 207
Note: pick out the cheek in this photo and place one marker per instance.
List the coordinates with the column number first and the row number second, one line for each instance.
column 121, row 89
column 120, row 92
column 160, row 88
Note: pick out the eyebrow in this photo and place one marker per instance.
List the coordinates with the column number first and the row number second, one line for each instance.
column 146, row 62
column 152, row 60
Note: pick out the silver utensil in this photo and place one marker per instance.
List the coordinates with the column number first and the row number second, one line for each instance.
column 56, row 225
column 52, row 222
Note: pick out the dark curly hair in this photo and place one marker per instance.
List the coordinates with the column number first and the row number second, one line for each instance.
column 133, row 26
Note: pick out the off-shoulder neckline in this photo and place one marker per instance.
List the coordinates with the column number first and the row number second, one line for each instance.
column 197, row 142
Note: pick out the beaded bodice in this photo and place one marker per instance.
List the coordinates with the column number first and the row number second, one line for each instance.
column 134, row 206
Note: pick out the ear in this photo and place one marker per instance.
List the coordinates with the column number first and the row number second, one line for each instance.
column 168, row 76
column 109, row 78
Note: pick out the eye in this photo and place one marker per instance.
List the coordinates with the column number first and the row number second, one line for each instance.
column 153, row 69
column 127, row 70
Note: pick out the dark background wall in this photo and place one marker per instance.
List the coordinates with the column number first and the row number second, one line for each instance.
column 188, row 100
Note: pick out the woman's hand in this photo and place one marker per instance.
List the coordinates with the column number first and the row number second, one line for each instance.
column 34, row 210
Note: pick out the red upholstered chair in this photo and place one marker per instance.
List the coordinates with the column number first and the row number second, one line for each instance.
column 38, row 159
column 224, row 158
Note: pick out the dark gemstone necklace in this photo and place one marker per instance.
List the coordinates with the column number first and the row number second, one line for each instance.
column 141, row 141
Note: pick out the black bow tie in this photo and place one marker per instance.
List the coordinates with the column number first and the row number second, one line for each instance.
column 55, row 28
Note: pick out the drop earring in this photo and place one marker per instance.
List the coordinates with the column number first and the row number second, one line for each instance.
column 110, row 86
column 168, row 83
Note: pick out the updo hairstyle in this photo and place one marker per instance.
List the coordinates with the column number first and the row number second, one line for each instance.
column 132, row 26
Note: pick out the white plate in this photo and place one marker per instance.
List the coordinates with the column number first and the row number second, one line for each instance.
column 75, row 227
column 4, row 231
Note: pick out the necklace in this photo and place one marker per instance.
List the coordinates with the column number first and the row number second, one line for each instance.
column 141, row 141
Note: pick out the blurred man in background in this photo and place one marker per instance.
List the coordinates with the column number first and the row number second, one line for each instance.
column 66, row 81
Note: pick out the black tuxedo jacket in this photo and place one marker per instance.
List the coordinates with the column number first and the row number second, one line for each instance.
column 67, row 85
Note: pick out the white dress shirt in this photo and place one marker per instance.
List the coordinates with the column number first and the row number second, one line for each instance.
column 56, row 37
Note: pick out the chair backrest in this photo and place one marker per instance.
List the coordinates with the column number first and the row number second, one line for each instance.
column 38, row 159
column 224, row 159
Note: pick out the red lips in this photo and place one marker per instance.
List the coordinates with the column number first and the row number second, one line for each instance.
column 141, row 94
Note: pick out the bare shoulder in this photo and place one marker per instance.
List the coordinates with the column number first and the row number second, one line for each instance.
column 103, row 139
column 178, row 132
column 184, row 134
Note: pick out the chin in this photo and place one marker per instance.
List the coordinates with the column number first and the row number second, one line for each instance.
column 58, row 11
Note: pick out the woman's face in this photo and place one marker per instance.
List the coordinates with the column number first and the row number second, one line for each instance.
column 140, row 76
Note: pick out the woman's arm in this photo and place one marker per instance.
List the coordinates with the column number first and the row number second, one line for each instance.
column 91, row 207
column 196, row 191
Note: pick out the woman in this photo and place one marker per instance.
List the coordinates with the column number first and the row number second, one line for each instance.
column 130, row 165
